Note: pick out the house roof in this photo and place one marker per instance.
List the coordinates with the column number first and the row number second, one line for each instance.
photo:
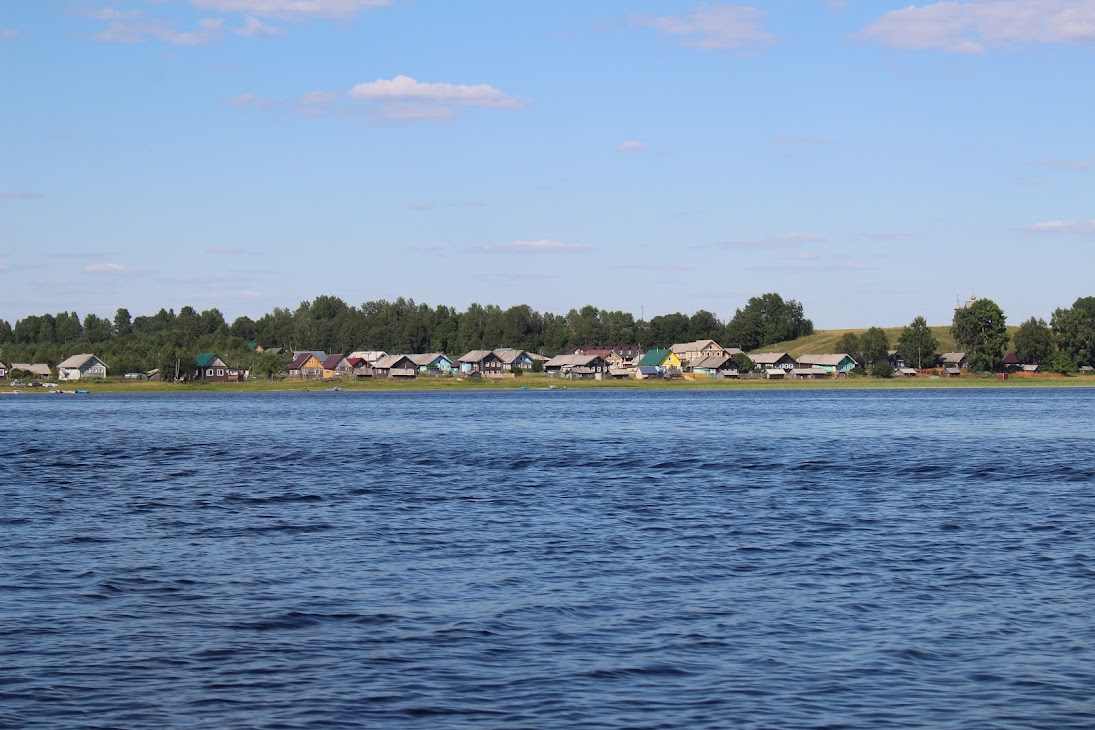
column 37, row 368
column 477, row 356
column 953, row 356
column 768, row 358
column 953, row 371
column 573, row 361
column 713, row 362
column 206, row 359
column 1030, row 368
column 391, row 361
column 648, row 370
column 355, row 362
column 78, row 361
column 601, row 351
column 654, row 357
column 907, row 371
column 331, row 362
column 320, row 354
column 299, row 360
column 369, row 355
column 694, row 346
column 833, row 359
column 1011, row 359
column 428, row 358
column 509, row 355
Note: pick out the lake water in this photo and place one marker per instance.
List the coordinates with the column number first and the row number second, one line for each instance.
column 594, row 559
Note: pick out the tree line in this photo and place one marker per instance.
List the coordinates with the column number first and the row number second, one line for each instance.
column 138, row 344
column 1064, row 344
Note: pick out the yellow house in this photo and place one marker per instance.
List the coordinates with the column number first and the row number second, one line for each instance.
column 306, row 365
column 660, row 359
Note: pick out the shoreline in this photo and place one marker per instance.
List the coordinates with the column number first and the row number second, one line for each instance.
column 543, row 383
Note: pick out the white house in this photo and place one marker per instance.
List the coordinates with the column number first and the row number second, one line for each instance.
column 81, row 366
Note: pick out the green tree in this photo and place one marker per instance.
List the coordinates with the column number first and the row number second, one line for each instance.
column 123, row 323
column 917, row 344
column 268, row 365
column 743, row 363
column 1074, row 330
column 1034, row 341
column 766, row 320
column 876, row 347
column 980, row 330
column 881, row 369
column 850, row 344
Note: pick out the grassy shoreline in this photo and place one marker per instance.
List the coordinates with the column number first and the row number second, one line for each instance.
column 534, row 382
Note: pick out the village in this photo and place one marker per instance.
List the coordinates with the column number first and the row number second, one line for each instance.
column 697, row 360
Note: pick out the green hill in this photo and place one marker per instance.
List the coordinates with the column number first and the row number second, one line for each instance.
column 825, row 340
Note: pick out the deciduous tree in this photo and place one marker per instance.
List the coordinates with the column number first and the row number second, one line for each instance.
column 980, row 330
column 917, row 344
column 1034, row 341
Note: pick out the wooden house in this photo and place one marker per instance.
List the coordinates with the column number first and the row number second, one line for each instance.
column 1011, row 362
column 432, row 363
column 906, row 372
column 209, row 367
column 84, row 365
column 691, row 353
column 663, row 359
column 395, row 366
column 369, row 356
column 772, row 361
column 36, row 369
column 577, row 367
column 514, row 358
column 716, row 366
column 484, row 362
column 776, row 373
column 808, row 372
column 3, row 370
column 954, row 360
column 840, row 363
column 951, row 372
column 306, row 365
column 610, row 355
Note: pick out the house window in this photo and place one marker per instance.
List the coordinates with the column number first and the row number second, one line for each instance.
column 220, row 371
column 209, row 373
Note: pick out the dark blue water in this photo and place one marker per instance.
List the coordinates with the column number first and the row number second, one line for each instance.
column 796, row 559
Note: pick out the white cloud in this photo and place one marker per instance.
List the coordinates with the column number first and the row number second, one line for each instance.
column 8, row 33
column 254, row 28
column 978, row 25
column 319, row 97
column 714, row 26
column 111, row 14
column 19, row 195
column 1086, row 228
column 632, row 145
column 1065, row 164
column 104, row 268
column 250, row 99
column 405, row 88
column 541, row 246
column 209, row 31
column 293, row 9
column 401, row 98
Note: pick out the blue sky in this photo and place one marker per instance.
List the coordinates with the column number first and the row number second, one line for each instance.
column 874, row 160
